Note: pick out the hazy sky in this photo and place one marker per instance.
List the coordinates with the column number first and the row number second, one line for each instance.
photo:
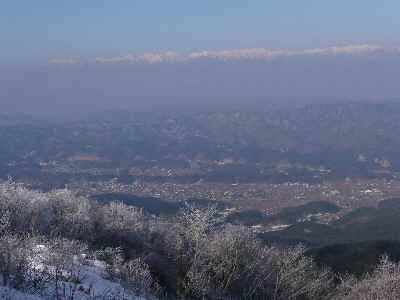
column 34, row 30
column 84, row 55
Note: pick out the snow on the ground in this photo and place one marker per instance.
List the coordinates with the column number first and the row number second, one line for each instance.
column 93, row 284
column 11, row 294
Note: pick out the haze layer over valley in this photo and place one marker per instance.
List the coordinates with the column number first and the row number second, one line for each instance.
column 207, row 81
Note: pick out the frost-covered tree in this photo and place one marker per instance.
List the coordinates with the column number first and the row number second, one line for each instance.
column 72, row 216
column 63, row 260
column 189, row 234
column 15, row 254
column 234, row 264
column 28, row 211
column 137, row 275
column 57, row 213
column 297, row 276
column 381, row 284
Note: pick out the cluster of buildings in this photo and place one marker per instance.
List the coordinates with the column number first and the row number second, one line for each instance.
column 269, row 198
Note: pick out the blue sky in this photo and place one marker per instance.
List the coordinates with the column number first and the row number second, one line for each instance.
column 59, row 56
column 39, row 30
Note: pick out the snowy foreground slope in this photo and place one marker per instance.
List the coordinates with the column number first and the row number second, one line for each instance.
column 86, row 279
